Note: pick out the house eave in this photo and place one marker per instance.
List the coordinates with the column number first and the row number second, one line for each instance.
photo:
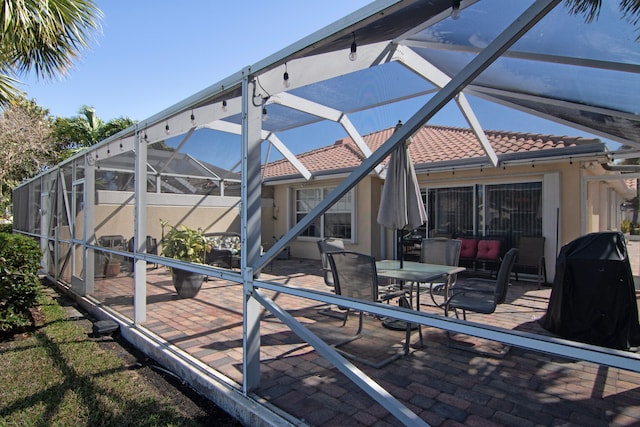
column 584, row 153
column 316, row 176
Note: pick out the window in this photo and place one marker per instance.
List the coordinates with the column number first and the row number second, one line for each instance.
column 500, row 210
column 451, row 211
column 336, row 222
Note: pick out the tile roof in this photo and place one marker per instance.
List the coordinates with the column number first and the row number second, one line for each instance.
column 430, row 144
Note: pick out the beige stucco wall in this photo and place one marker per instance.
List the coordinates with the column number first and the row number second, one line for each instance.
column 114, row 213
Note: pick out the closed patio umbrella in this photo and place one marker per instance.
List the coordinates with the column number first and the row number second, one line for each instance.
column 401, row 203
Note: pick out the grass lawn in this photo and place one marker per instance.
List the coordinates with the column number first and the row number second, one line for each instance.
column 57, row 376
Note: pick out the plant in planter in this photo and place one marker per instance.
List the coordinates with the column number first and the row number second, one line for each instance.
column 185, row 244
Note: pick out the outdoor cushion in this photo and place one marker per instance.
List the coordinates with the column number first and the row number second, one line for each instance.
column 488, row 249
column 224, row 240
column 468, row 248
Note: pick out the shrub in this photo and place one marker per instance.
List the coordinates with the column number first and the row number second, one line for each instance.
column 6, row 228
column 19, row 281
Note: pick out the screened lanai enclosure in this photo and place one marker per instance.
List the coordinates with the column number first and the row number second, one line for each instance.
column 99, row 216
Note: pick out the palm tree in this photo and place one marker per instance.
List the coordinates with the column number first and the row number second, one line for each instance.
column 44, row 37
column 84, row 130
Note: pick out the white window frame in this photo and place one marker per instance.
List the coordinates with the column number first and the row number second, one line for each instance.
column 325, row 191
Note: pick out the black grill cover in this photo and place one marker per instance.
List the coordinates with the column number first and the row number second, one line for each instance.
column 593, row 297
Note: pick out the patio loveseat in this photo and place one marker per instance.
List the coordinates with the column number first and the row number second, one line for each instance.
column 486, row 251
column 225, row 249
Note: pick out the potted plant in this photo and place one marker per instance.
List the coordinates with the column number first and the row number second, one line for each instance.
column 185, row 244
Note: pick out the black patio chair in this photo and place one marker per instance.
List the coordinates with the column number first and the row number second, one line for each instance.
column 355, row 276
column 440, row 251
column 325, row 246
column 481, row 296
column 531, row 258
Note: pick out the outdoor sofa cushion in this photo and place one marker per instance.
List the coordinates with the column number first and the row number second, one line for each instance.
column 468, row 248
column 488, row 250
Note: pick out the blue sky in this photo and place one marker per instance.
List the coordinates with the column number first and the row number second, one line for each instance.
column 153, row 54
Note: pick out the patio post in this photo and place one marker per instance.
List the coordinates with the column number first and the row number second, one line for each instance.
column 250, row 229
column 140, row 231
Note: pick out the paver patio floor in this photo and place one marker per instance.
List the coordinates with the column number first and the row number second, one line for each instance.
column 444, row 386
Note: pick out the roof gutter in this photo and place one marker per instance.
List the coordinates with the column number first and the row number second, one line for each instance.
column 620, row 168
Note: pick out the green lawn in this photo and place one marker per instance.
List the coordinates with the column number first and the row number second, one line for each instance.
column 58, row 376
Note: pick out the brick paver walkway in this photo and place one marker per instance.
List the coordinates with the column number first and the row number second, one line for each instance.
column 444, row 386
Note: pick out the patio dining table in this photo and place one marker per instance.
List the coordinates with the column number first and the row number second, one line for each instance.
column 415, row 272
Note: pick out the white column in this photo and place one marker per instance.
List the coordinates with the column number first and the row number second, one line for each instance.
column 140, row 231
column 89, row 235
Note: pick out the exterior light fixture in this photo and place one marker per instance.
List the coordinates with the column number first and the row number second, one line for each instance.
column 166, row 128
column 264, row 113
column 455, row 9
column 353, row 55
column 285, row 77
column 224, row 105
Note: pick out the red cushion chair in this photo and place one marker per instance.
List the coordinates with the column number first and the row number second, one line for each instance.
column 489, row 254
column 488, row 250
column 468, row 248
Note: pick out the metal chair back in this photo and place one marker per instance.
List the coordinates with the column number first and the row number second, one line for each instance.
column 440, row 251
column 325, row 246
column 504, row 274
column 355, row 275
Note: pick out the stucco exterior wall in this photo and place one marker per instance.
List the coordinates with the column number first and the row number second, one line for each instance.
column 114, row 213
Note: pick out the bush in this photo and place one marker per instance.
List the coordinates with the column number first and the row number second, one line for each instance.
column 6, row 228
column 19, row 281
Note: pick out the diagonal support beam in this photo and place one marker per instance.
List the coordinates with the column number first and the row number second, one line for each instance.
column 282, row 148
column 373, row 389
column 424, row 68
column 327, row 113
column 235, row 129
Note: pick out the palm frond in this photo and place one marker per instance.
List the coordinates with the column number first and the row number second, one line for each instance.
column 591, row 9
column 46, row 36
column 8, row 90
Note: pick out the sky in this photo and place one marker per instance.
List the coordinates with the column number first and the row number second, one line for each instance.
column 151, row 55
